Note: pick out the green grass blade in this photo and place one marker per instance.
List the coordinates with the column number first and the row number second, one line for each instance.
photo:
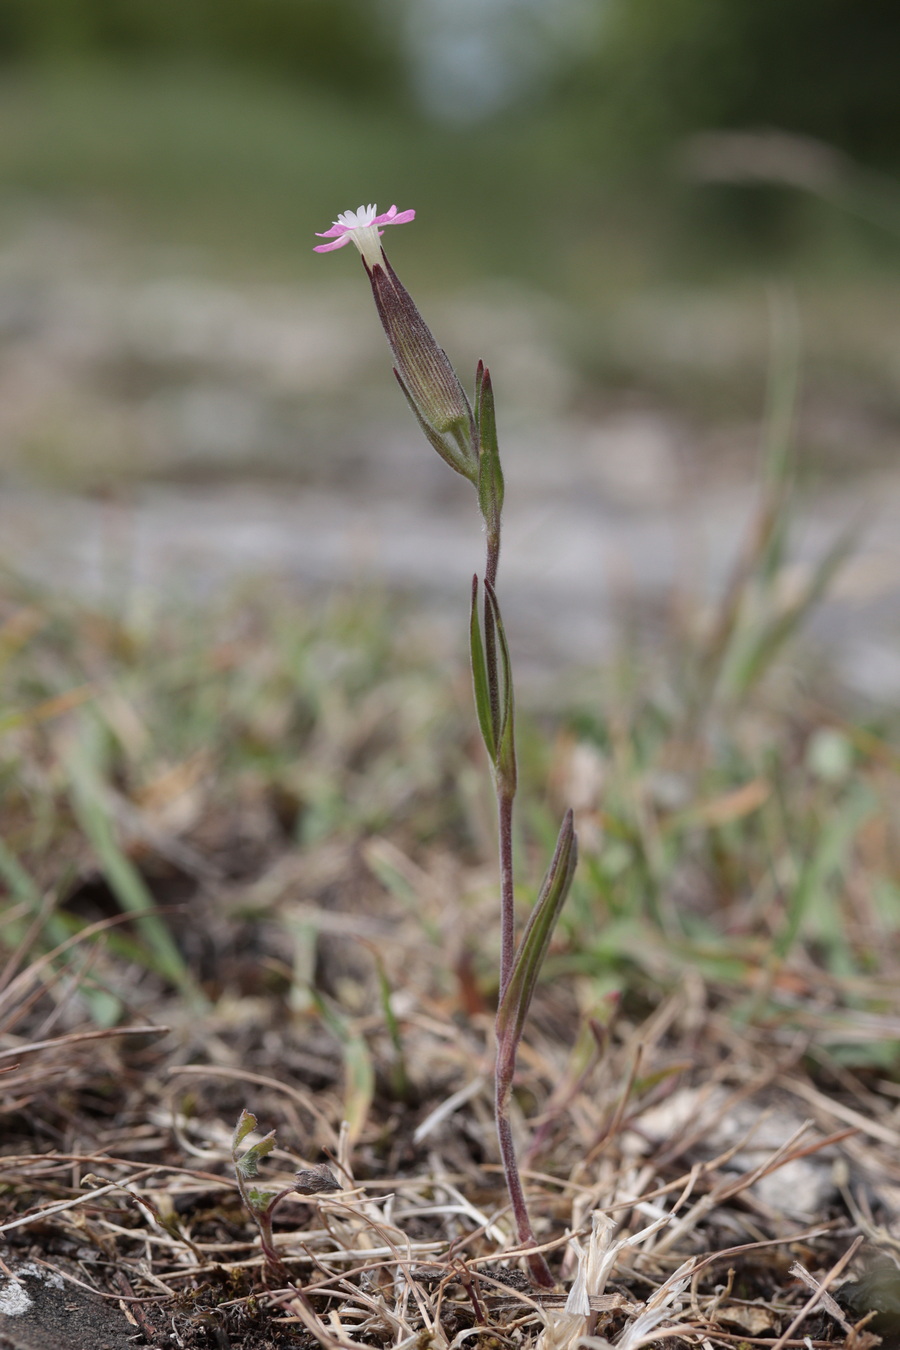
column 766, row 645
column 359, row 1073
column 123, row 877
column 809, row 899
column 24, row 889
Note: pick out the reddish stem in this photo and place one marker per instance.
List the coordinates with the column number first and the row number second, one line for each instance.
column 506, row 1064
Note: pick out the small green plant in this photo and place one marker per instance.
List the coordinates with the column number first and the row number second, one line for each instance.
column 464, row 434
column 261, row 1204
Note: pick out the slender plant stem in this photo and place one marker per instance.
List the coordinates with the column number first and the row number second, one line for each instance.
column 493, row 558
column 263, row 1221
column 507, row 895
column 506, row 1043
column 506, row 1063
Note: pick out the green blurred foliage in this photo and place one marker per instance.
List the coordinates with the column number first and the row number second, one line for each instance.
column 658, row 70
column 642, row 74
column 238, row 122
column 345, row 44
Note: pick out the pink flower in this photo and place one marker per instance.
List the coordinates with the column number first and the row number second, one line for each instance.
column 362, row 228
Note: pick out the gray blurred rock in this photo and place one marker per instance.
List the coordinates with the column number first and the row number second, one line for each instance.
column 41, row 1310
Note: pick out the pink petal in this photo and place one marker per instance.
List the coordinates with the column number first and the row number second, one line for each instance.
column 335, row 230
column 338, row 243
column 393, row 217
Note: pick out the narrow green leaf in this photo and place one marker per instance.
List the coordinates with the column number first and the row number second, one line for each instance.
column 490, row 474
column 480, row 678
column 19, row 881
column 88, row 801
column 763, row 552
column 479, row 379
column 810, row 907
column 506, row 735
column 359, row 1073
column 451, row 443
column 489, row 629
column 399, row 1076
column 535, row 940
column 782, row 628
column 23, row 887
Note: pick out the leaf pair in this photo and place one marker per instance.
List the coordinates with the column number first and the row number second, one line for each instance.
column 494, row 703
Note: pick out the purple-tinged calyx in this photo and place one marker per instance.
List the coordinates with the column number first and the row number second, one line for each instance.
column 429, row 382
column 424, row 373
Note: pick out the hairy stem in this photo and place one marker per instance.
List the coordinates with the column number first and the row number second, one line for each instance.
column 493, row 558
column 263, row 1221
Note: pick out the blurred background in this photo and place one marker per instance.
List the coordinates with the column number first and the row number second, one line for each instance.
column 630, row 208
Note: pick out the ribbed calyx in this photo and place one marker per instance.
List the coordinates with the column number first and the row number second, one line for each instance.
column 425, row 375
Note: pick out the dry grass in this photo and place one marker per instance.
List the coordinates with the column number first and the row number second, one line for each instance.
column 651, row 1184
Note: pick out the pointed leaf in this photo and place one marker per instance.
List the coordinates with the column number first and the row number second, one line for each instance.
column 490, row 474
column 506, row 734
column 782, row 628
column 480, row 678
column 479, row 377
column 535, row 940
column 450, row 443
column 489, row 630
column 92, row 802
column 359, row 1071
